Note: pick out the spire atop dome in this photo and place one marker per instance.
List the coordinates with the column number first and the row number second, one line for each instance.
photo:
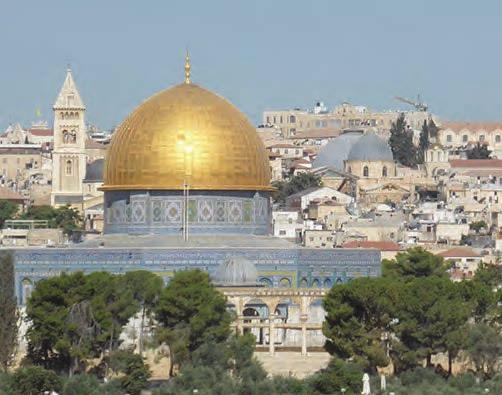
column 187, row 68
column 69, row 96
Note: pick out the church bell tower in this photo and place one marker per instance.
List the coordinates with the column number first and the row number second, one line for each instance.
column 68, row 157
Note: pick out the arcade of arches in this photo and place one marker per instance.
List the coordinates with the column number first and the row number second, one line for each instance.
column 279, row 317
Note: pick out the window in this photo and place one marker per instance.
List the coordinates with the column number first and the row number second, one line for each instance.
column 465, row 138
column 497, row 138
column 448, row 138
column 281, row 119
column 268, row 120
column 481, row 137
column 292, row 119
column 282, row 233
column 384, row 171
column 68, row 167
column 366, row 171
column 297, row 151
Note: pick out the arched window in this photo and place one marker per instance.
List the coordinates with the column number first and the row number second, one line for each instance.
column 384, row 171
column 68, row 167
column 285, row 283
column 266, row 282
column 327, row 283
column 316, row 283
column 366, row 171
column 292, row 119
column 304, row 283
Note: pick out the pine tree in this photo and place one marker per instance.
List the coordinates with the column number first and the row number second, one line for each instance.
column 9, row 321
column 401, row 142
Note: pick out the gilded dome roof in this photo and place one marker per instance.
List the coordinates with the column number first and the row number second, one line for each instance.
column 186, row 134
column 370, row 147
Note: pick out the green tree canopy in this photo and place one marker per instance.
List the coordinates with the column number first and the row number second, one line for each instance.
column 423, row 143
column 359, row 316
column 297, row 183
column 415, row 262
column 432, row 318
column 9, row 321
column 7, row 211
column 401, row 142
column 190, row 311
column 75, row 317
column 484, row 347
column 479, row 151
column 34, row 380
column 64, row 217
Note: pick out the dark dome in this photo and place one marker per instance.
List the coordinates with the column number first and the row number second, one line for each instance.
column 370, row 147
column 94, row 171
column 236, row 271
column 337, row 150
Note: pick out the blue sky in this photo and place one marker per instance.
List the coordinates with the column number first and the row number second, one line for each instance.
column 258, row 54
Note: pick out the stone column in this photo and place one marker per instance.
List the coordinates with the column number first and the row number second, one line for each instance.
column 303, row 320
column 240, row 326
column 271, row 334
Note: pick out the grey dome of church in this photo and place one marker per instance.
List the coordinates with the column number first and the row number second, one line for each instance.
column 236, row 271
column 337, row 150
column 370, row 147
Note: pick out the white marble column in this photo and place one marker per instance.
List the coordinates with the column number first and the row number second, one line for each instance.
column 271, row 334
column 303, row 319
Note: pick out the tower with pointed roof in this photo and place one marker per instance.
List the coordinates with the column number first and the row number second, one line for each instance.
column 69, row 159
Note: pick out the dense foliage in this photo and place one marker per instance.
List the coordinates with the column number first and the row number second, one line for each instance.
column 401, row 142
column 7, row 211
column 9, row 316
column 64, row 217
column 75, row 317
column 295, row 184
column 479, row 151
column 411, row 313
column 414, row 311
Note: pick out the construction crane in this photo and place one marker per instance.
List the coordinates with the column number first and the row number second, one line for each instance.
column 419, row 104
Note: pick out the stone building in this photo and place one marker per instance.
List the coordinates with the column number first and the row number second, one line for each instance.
column 69, row 161
column 365, row 162
column 186, row 186
column 343, row 116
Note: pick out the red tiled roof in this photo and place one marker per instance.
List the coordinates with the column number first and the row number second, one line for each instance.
column 379, row 245
column 476, row 163
column 41, row 132
column 459, row 252
column 472, row 126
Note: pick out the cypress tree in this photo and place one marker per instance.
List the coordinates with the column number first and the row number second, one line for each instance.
column 9, row 315
column 401, row 143
column 423, row 143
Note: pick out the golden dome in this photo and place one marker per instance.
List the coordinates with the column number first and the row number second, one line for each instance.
column 186, row 134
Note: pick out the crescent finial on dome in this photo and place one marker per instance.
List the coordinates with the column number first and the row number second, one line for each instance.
column 187, row 68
